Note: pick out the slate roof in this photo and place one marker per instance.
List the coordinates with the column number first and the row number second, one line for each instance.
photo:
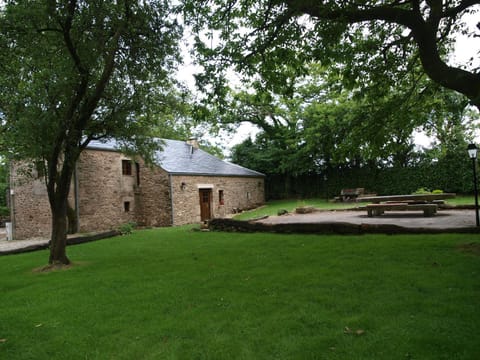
column 179, row 158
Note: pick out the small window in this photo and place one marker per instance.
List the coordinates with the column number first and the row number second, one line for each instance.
column 126, row 206
column 126, row 167
column 221, row 200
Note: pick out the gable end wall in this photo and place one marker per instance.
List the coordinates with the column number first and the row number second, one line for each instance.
column 103, row 190
column 240, row 193
column 29, row 205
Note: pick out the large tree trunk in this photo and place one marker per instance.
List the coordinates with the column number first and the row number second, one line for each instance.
column 72, row 227
column 58, row 188
column 58, row 241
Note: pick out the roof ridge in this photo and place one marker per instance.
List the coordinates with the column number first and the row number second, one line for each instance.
column 175, row 160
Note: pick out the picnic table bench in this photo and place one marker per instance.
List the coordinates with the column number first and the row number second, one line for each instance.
column 350, row 194
column 428, row 203
column 379, row 209
column 409, row 198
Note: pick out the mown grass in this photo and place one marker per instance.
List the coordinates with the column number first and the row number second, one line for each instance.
column 180, row 294
column 272, row 207
column 461, row 200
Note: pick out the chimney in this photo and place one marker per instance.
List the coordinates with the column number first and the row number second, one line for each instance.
column 193, row 142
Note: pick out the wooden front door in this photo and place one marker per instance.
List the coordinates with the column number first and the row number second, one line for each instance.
column 205, row 204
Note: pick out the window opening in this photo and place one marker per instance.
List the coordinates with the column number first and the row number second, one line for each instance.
column 221, row 200
column 126, row 206
column 126, row 167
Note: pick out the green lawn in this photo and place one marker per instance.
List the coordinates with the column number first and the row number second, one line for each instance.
column 272, row 207
column 175, row 293
column 462, row 200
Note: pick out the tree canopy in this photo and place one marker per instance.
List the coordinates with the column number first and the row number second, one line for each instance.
column 322, row 125
column 273, row 39
column 73, row 71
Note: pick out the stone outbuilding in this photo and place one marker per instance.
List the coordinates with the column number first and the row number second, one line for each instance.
column 185, row 185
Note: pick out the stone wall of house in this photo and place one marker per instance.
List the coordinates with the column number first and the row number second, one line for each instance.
column 30, row 209
column 154, row 207
column 108, row 198
column 239, row 193
column 106, row 195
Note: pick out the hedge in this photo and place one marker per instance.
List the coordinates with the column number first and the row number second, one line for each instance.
column 395, row 180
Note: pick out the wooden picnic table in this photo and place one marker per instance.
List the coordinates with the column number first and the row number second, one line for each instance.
column 424, row 202
column 429, row 198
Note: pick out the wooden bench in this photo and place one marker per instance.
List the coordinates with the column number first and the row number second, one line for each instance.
column 350, row 194
column 379, row 209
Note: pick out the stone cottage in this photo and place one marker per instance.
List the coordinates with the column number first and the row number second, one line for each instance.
column 186, row 185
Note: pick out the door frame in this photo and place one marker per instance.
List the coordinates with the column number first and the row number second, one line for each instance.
column 205, row 206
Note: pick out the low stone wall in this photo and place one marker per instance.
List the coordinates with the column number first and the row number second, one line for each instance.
column 340, row 228
column 75, row 240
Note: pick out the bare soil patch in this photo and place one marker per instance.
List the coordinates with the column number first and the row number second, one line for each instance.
column 471, row 248
column 57, row 267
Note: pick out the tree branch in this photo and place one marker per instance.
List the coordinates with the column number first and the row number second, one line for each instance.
column 354, row 14
column 109, row 66
column 49, row 29
column 465, row 4
column 279, row 24
column 424, row 34
column 67, row 27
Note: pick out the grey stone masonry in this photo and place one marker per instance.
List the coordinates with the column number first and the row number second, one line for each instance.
column 239, row 193
column 29, row 205
column 103, row 191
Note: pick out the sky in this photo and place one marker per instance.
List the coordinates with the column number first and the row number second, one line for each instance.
column 465, row 47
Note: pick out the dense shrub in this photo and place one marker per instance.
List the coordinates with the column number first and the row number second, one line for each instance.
column 3, row 194
column 4, row 211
